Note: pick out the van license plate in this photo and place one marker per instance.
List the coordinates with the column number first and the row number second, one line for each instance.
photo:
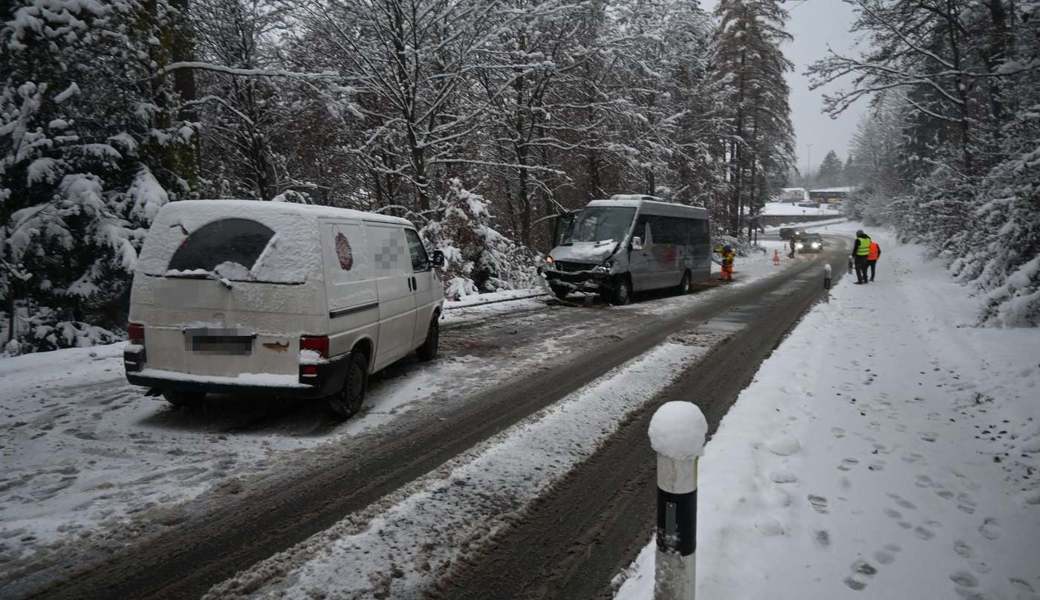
column 219, row 341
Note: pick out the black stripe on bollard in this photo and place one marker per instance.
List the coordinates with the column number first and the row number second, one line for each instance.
column 677, row 522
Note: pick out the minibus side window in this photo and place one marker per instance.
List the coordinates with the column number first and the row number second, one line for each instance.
column 237, row 241
column 420, row 260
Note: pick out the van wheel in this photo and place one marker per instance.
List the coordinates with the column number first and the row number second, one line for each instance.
column 622, row 292
column 348, row 401
column 185, row 399
column 686, row 284
column 428, row 351
column 560, row 292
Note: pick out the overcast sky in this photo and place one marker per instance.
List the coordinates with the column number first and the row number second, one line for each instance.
column 815, row 24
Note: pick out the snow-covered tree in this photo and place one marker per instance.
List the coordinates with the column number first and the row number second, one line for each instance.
column 951, row 161
column 761, row 139
column 830, row 173
column 91, row 146
column 477, row 257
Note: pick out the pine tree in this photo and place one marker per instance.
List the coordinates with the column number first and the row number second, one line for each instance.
column 90, row 148
column 761, row 150
column 830, row 173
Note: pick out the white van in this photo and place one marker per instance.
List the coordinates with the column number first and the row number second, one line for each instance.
column 233, row 296
column 629, row 243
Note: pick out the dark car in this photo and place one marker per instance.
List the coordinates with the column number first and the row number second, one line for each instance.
column 809, row 242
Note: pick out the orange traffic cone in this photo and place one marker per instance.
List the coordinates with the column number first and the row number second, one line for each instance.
column 776, row 258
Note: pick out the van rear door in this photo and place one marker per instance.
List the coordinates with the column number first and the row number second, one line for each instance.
column 220, row 294
column 392, row 271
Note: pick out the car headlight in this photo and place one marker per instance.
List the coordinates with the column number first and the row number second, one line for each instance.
column 816, row 245
column 799, row 246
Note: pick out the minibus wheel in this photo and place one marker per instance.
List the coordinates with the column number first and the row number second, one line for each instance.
column 348, row 401
column 428, row 351
column 184, row 399
column 622, row 292
column 684, row 285
column 559, row 291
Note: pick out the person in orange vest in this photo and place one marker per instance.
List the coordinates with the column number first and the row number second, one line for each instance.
column 873, row 254
column 728, row 256
column 725, row 260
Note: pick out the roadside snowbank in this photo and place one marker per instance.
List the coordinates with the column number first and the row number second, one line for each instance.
column 887, row 448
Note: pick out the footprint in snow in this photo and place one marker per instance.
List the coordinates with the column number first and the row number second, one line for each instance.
column 923, row 533
column 893, row 513
column 847, row 464
column 924, row 481
column 838, row 432
column 990, row 529
column 964, row 578
column 963, row 549
column 783, row 477
column 902, row 502
column 823, row 538
column 929, row 436
column 819, row 504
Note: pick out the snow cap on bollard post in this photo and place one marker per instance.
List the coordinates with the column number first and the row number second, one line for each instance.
column 677, row 432
column 827, row 276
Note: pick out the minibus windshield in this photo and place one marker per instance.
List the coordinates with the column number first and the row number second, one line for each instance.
column 600, row 224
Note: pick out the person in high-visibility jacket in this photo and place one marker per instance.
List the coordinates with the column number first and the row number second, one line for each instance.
column 860, row 251
column 873, row 254
column 728, row 256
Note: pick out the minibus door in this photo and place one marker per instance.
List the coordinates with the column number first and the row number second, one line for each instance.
column 642, row 264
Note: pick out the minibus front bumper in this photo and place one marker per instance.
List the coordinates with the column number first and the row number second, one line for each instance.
column 328, row 381
column 587, row 280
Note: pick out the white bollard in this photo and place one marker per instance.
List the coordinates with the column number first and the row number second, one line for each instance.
column 677, row 432
column 827, row 276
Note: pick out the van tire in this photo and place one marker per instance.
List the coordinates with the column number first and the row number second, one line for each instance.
column 685, row 284
column 187, row 400
column 621, row 294
column 560, row 292
column 428, row 350
column 348, row 401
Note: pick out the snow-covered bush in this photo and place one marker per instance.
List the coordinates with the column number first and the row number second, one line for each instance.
column 49, row 330
column 477, row 258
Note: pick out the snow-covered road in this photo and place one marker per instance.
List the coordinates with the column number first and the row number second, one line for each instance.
column 888, row 449
column 92, row 463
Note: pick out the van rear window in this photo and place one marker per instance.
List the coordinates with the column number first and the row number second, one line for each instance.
column 234, row 241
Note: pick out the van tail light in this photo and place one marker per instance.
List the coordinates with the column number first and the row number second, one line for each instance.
column 316, row 343
column 135, row 333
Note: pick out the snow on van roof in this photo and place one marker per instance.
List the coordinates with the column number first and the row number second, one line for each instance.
column 292, row 254
column 636, row 201
column 214, row 208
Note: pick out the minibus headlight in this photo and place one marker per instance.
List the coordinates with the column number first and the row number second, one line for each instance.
column 604, row 268
column 816, row 245
column 799, row 246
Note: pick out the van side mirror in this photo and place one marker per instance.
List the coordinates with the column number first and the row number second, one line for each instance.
column 437, row 259
column 637, row 243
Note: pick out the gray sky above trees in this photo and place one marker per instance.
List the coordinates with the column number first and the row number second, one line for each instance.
column 815, row 25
